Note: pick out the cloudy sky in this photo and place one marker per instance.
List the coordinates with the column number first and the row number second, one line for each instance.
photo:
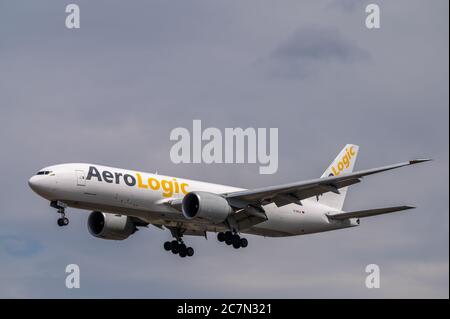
column 111, row 92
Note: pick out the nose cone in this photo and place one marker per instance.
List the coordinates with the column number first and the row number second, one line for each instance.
column 42, row 185
column 34, row 183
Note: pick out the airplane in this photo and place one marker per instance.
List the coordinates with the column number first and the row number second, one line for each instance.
column 122, row 200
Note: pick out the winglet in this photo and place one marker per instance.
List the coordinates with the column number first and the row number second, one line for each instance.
column 420, row 160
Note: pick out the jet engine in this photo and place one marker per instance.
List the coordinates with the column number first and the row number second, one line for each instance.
column 110, row 226
column 208, row 206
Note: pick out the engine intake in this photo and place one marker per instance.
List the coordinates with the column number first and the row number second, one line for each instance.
column 204, row 205
column 109, row 226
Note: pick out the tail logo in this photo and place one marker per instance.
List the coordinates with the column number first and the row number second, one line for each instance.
column 344, row 162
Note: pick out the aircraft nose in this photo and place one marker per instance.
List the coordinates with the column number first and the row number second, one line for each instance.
column 33, row 183
column 43, row 184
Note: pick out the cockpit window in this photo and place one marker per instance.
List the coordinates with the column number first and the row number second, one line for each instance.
column 43, row 172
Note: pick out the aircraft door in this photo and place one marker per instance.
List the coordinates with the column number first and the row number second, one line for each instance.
column 81, row 178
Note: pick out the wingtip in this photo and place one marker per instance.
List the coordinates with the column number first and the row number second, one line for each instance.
column 420, row 160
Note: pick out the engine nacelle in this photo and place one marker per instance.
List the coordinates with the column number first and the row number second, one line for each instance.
column 204, row 205
column 110, row 226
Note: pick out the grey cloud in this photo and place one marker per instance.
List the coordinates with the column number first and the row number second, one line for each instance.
column 347, row 5
column 310, row 48
column 18, row 246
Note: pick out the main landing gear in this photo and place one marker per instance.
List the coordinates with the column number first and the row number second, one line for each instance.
column 63, row 220
column 177, row 246
column 232, row 239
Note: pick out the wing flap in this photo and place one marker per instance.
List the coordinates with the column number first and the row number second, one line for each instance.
column 248, row 217
column 368, row 212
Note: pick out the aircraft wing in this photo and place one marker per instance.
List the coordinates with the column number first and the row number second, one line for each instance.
column 295, row 192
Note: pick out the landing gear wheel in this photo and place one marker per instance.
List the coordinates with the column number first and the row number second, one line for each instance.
column 228, row 242
column 168, row 245
column 65, row 221
column 60, row 222
column 228, row 236
column 244, row 242
column 236, row 241
column 190, row 251
column 221, row 237
column 182, row 250
column 175, row 247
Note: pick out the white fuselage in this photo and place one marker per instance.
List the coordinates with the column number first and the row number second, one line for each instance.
column 144, row 195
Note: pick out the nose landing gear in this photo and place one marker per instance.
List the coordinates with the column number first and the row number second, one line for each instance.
column 63, row 220
column 232, row 239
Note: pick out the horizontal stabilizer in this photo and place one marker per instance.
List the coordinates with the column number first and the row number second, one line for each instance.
column 368, row 212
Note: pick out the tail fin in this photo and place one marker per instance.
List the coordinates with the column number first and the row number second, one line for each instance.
column 343, row 163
